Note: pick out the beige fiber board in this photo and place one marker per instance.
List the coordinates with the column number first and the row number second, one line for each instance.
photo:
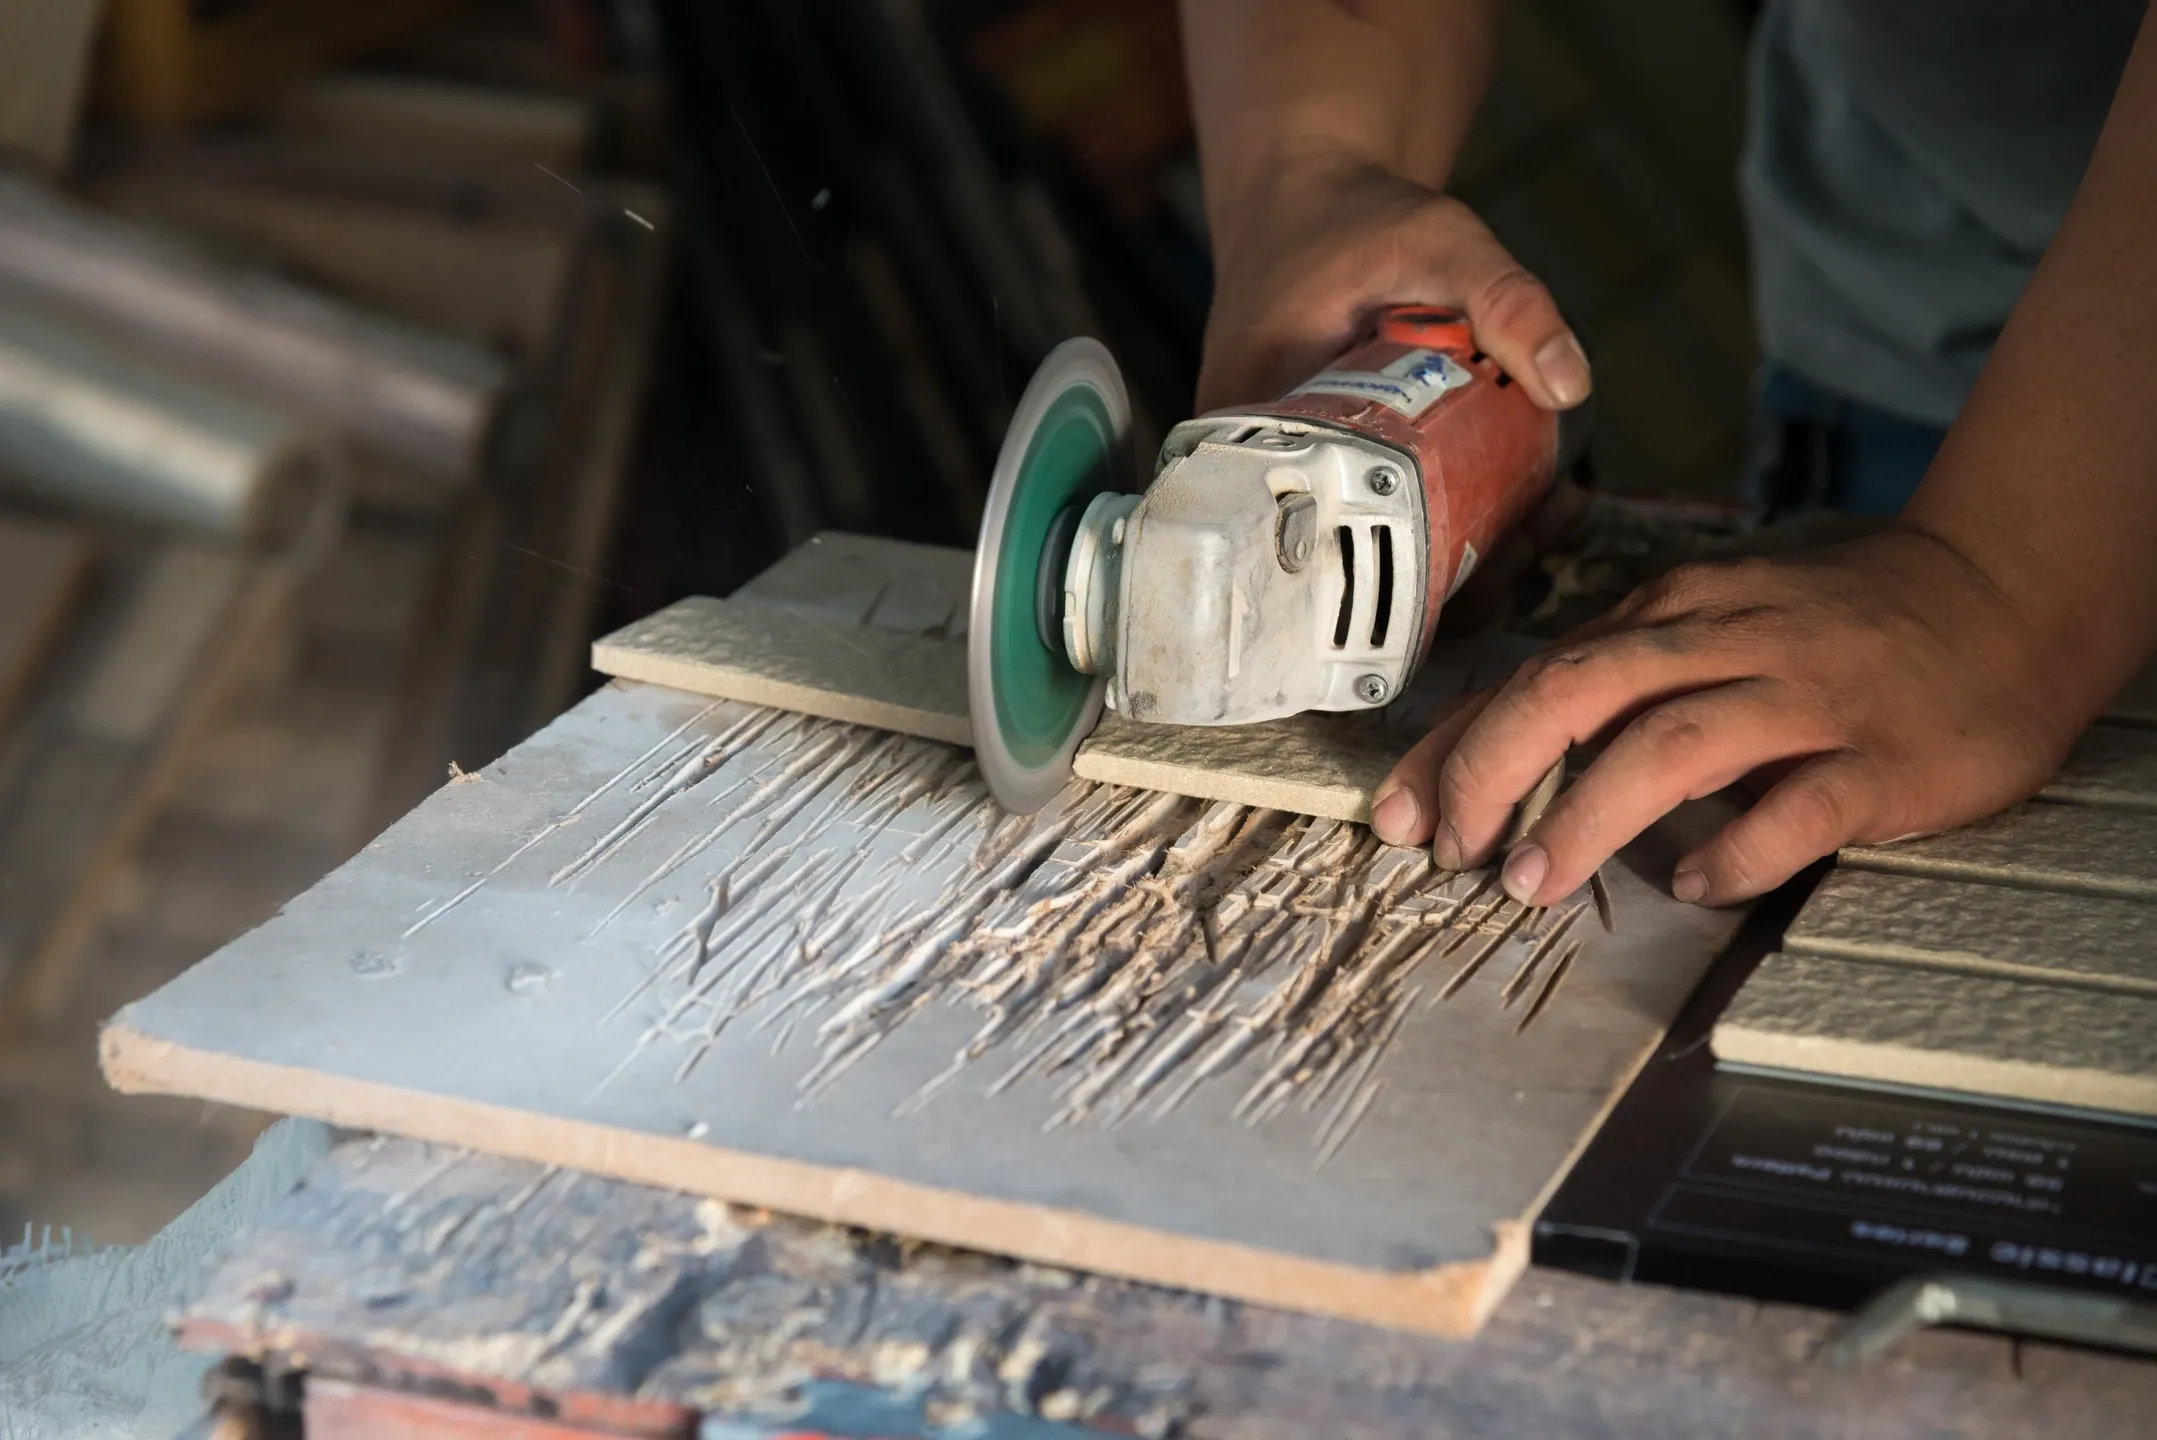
column 1922, row 1026
column 2045, row 935
column 809, row 659
column 871, row 580
column 770, row 655
column 1314, row 764
column 645, row 942
column 2035, row 845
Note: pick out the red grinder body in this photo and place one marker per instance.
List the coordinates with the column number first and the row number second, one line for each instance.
column 1485, row 453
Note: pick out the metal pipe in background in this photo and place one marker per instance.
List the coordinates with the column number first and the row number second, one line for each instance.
column 93, row 428
column 423, row 399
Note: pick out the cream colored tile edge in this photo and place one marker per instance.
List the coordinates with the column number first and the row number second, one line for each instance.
column 1899, row 1065
column 1306, row 765
column 1940, row 1029
column 767, row 654
column 1448, row 1300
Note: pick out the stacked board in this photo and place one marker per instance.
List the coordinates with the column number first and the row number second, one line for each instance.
column 2015, row 958
column 803, row 963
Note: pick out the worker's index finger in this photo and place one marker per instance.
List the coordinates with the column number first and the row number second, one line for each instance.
column 1417, row 773
column 1672, row 752
column 1564, row 697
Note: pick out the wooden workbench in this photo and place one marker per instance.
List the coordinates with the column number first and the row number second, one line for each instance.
column 476, row 1286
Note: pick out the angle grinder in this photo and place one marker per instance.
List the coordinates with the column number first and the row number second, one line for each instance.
column 1286, row 557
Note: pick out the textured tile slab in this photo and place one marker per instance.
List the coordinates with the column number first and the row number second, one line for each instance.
column 1997, row 929
column 795, row 637
column 2111, row 765
column 2059, row 847
column 812, row 660
column 1324, row 765
column 1913, row 1025
column 870, row 580
column 809, row 966
column 797, row 660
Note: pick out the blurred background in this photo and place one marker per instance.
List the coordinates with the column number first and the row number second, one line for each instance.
column 360, row 362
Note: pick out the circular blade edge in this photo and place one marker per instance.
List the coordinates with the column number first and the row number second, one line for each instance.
column 1029, row 708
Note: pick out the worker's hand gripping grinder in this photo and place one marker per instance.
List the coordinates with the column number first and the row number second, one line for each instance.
column 1287, row 557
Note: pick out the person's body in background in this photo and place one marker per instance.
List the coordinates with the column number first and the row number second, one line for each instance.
column 1953, row 215
column 1906, row 164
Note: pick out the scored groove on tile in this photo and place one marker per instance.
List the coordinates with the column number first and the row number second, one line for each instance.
column 769, row 655
column 1921, row 1026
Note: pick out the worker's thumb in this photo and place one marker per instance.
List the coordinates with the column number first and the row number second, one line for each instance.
column 1517, row 323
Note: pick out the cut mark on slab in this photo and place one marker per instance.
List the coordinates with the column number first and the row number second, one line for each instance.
column 1127, row 944
column 568, row 816
column 1549, row 987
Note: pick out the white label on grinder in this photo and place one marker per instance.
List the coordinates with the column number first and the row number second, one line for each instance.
column 1410, row 384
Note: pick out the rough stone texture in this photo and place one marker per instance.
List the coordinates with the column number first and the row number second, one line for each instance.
column 2111, row 765
column 2039, row 845
column 870, row 580
column 1915, row 1025
column 1316, row 764
column 400, row 1259
column 83, row 1346
column 2023, row 934
column 796, row 660
column 501, row 969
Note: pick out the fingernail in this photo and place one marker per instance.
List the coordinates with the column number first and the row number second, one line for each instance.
column 1564, row 368
column 1524, row 871
column 1393, row 813
column 1689, row 886
column 1446, row 846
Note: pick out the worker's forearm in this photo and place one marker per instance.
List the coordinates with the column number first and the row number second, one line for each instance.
column 2048, row 481
column 1281, row 84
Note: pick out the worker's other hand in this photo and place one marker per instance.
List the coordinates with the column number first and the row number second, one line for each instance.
column 1332, row 242
column 1869, row 692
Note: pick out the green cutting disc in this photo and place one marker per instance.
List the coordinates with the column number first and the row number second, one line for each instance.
column 1069, row 441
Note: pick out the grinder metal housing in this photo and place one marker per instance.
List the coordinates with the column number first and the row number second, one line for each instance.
column 1287, row 557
